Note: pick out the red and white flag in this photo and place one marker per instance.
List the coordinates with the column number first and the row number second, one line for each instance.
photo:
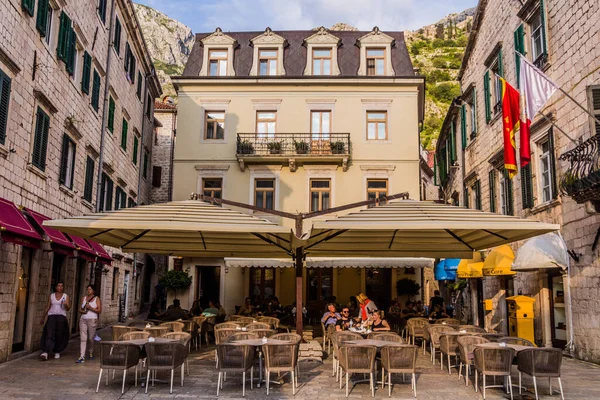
column 536, row 89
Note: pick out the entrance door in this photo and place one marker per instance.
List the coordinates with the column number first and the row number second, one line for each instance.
column 126, row 293
column 80, row 271
column 479, row 305
column 22, row 300
column 208, row 285
column 262, row 284
column 558, row 315
column 378, row 286
column 319, row 289
column 57, row 265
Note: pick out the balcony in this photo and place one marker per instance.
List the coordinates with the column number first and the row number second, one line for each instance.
column 293, row 149
column 581, row 180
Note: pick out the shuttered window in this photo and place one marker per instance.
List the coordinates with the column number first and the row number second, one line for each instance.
column 40, row 142
column 156, row 176
column 492, row 190
column 67, row 162
column 519, row 36
column 42, row 17
column 71, row 51
column 506, row 194
column 463, row 126
column 139, row 86
column 86, row 73
column 145, row 165
column 96, row 91
column 477, row 194
column 124, row 130
column 135, row 150
column 117, row 39
column 120, row 198
column 64, row 32
column 102, row 10
column 130, row 64
column 526, row 187
column 594, row 100
column 466, row 197
column 487, row 96
column 111, row 115
column 106, row 193
column 4, row 101
column 539, row 41
column 131, row 203
column 28, row 5
column 473, row 113
column 551, row 152
column 88, row 188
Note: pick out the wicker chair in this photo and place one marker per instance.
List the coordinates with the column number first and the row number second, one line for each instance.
column 399, row 360
column 157, row 331
column 471, row 329
column 415, row 328
column 492, row 337
column 292, row 337
column 136, row 335
column 426, row 338
column 448, row 347
column 191, row 327
column 358, row 359
column 338, row 339
column 227, row 325
column 221, row 336
column 466, row 345
column 138, row 324
column 327, row 332
column 493, row 362
column 541, row 363
column 434, row 332
column 235, row 358
column 174, row 326
column 274, row 322
column 263, row 332
column 516, row 340
column 234, row 318
column 121, row 356
column 245, row 320
column 119, row 330
column 257, row 325
column 387, row 336
column 154, row 321
column 240, row 336
column 185, row 339
column 448, row 321
column 281, row 358
column 200, row 322
column 165, row 356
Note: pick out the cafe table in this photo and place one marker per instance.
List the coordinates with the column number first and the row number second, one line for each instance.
column 259, row 343
column 373, row 342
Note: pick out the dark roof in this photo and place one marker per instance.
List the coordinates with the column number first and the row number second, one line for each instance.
column 159, row 105
column 294, row 54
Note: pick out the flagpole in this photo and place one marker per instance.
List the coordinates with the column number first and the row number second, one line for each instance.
column 558, row 87
column 561, row 130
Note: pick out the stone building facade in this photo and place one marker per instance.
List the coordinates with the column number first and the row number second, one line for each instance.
column 561, row 38
column 53, row 73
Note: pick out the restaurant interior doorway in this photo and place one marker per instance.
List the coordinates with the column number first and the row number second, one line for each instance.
column 22, row 300
column 208, row 284
column 378, row 287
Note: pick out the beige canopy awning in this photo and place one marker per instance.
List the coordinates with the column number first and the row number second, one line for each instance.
column 182, row 228
column 327, row 262
column 416, row 228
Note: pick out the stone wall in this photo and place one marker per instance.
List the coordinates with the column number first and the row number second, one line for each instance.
column 162, row 151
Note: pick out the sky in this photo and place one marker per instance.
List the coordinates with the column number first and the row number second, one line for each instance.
column 255, row 15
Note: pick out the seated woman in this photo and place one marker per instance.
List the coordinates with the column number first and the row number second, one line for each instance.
column 196, row 309
column 211, row 311
column 379, row 324
column 246, row 310
column 154, row 312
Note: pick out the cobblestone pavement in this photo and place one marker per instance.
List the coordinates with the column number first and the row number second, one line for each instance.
column 30, row 378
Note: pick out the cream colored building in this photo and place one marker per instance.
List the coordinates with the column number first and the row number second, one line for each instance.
column 297, row 121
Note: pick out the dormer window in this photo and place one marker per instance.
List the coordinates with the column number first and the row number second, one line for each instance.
column 322, row 52
column 375, row 54
column 218, row 62
column 375, row 62
column 267, row 62
column 321, row 61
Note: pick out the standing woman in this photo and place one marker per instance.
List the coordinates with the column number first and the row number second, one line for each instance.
column 90, row 308
column 55, row 336
column 367, row 307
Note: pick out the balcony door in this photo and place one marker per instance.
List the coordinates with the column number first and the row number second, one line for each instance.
column 320, row 130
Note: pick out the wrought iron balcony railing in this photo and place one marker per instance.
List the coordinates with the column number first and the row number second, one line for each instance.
column 293, row 144
column 581, row 180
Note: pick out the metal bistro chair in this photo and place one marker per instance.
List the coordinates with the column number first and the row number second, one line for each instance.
column 493, row 362
column 541, row 363
column 221, row 336
column 119, row 330
column 257, row 325
column 165, row 356
column 516, row 340
column 338, row 339
column 415, row 328
column 449, row 347
column 466, row 346
column 174, row 326
column 358, row 359
column 137, row 335
column 399, row 360
column 185, row 339
column 435, row 331
column 282, row 358
column 121, row 356
column 274, row 322
column 235, row 358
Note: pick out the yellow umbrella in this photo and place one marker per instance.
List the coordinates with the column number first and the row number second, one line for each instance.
column 470, row 268
column 499, row 261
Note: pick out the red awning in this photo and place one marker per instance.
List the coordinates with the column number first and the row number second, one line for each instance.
column 15, row 228
column 103, row 256
column 59, row 241
column 84, row 250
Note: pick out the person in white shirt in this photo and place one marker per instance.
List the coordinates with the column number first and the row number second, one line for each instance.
column 55, row 336
column 90, row 308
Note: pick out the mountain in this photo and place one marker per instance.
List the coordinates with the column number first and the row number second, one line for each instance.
column 169, row 42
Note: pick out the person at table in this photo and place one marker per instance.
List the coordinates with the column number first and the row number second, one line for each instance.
column 330, row 317
column 55, row 336
column 174, row 312
column 353, row 306
column 419, row 307
column 211, row 311
column 436, row 300
column 274, row 309
column 409, row 310
column 395, row 309
column 196, row 309
column 246, row 310
column 379, row 324
column 221, row 313
column 367, row 307
column 345, row 321
column 437, row 313
column 154, row 312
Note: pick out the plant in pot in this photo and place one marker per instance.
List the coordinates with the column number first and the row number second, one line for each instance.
column 301, row 146
column 407, row 286
column 337, row 147
column 176, row 280
column 245, row 147
column 274, row 147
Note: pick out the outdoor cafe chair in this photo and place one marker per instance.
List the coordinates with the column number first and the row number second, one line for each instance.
column 516, row 340
column 470, row 329
column 291, row 337
column 358, row 359
column 448, row 321
column 235, row 358
column 263, row 332
column 185, row 339
column 415, row 327
column 221, row 336
column 136, row 335
column 233, row 318
column 466, row 345
column 492, row 337
column 119, row 330
column 240, row 336
column 165, row 357
column 200, row 322
column 137, row 324
column 448, row 347
column 157, row 331
column 281, row 358
column 399, row 360
column 274, row 322
column 245, row 320
column 226, row 325
column 493, row 362
column 191, row 327
column 426, row 338
column 327, row 331
column 387, row 336
column 257, row 325
column 338, row 338
column 174, row 326
column 541, row 363
column 434, row 332
column 121, row 356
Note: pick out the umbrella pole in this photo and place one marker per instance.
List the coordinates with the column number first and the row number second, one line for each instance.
column 299, row 306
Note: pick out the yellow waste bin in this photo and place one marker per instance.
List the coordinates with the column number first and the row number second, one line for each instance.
column 520, row 317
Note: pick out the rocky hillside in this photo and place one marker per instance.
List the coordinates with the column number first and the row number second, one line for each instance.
column 169, row 42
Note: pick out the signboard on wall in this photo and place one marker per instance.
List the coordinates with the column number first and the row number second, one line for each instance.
column 122, row 316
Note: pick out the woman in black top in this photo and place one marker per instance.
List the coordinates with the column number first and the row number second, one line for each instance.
column 379, row 324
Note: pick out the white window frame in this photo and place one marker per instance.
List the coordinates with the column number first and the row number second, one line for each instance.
column 503, row 194
column 70, row 167
column 544, row 158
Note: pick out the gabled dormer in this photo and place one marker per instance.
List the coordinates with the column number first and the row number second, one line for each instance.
column 321, row 56
column 218, row 54
column 268, row 54
column 375, row 54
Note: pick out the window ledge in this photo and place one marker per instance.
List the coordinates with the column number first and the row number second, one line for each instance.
column 87, row 204
column 379, row 141
column 66, row 190
column 124, row 151
column 37, row 171
column 471, row 143
column 4, row 151
column 495, row 118
column 545, row 206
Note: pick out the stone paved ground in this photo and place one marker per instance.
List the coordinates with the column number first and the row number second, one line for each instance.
column 30, row 378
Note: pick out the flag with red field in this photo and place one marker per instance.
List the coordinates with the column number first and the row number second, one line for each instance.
column 511, row 116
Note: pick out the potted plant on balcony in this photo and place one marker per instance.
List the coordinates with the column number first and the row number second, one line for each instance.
column 245, row 147
column 274, row 147
column 302, row 147
column 337, row 147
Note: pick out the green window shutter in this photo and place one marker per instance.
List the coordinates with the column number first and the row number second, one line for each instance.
column 117, row 39
column 466, row 197
column 64, row 159
column 71, row 51
column 96, row 91
column 486, row 96
column 111, row 114
column 500, row 65
column 4, row 101
column 452, row 143
column 145, row 166
column 42, row 17
column 509, row 194
column 526, row 187
column 63, row 37
column 463, row 125
column 135, row 149
column 478, row 195
column 474, row 105
column 102, row 10
column 492, row 179
column 543, row 20
column 86, row 73
column 139, row 86
column 89, row 179
column 28, row 5
column 127, row 55
column 519, row 48
column 124, row 134
column 554, row 183
column 109, row 195
column 40, row 143
column 435, row 171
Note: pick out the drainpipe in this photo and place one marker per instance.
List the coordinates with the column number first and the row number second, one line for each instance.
column 105, row 104
column 171, row 162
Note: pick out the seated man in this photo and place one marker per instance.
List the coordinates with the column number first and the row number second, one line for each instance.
column 437, row 313
column 409, row 311
column 174, row 312
column 345, row 322
column 331, row 316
